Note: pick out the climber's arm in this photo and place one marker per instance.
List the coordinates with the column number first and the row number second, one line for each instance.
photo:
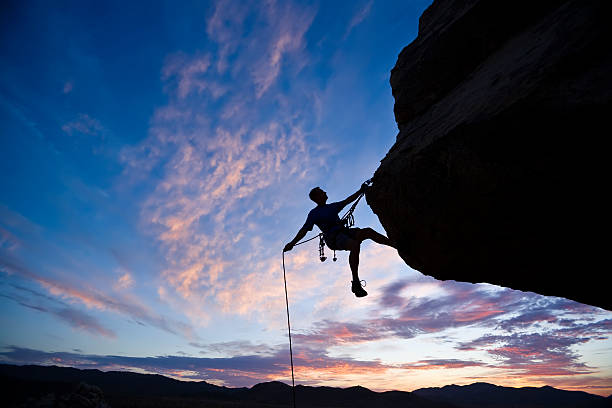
column 353, row 196
column 301, row 234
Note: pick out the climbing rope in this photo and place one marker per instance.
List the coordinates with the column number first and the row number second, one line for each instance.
column 320, row 236
column 289, row 330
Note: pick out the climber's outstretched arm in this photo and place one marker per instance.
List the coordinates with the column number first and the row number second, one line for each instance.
column 353, row 196
column 301, row 234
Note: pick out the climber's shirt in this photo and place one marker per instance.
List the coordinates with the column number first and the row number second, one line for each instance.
column 325, row 217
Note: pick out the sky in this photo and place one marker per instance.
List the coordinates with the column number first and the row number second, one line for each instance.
column 155, row 157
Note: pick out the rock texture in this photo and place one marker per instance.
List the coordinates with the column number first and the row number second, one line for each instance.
column 500, row 167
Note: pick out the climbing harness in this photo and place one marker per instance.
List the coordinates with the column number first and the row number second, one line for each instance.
column 348, row 221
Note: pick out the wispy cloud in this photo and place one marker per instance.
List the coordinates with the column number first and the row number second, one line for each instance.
column 83, row 124
column 66, row 313
column 225, row 26
column 125, row 281
column 358, row 18
column 235, row 348
column 219, row 177
column 261, row 49
column 531, row 335
column 190, row 75
column 93, row 299
column 84, row 321
column 288, row 25
column 441, row 364
column 533, row 354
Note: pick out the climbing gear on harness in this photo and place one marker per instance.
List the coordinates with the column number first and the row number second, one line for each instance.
column 322, row 256
column 357, row 288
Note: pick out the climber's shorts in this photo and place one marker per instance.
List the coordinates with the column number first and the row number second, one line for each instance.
column 342, row 240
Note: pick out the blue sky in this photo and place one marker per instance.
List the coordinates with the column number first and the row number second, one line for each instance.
column 155, row 159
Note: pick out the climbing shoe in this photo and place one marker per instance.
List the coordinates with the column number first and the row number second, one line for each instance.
column 357, row 289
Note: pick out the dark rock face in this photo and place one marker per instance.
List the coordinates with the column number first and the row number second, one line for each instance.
column 500, row 168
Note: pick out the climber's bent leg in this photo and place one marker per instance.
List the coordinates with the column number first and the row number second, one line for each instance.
column 368, row 233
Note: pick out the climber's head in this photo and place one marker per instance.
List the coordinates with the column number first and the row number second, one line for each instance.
column 318, row 196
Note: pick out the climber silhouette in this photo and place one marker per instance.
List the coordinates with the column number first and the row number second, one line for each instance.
column 337, row 236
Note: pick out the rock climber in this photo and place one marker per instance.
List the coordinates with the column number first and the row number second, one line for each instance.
column 337, row 235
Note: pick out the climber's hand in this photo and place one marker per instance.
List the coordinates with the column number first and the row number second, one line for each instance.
column 364, row 187
column 288, row 247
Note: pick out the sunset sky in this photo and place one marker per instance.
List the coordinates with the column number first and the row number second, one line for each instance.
column 155, row 157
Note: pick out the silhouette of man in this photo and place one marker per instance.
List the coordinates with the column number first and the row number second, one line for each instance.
column 337, row 235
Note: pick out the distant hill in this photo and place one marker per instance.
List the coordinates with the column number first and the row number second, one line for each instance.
column 484, row 395
column 126, row 389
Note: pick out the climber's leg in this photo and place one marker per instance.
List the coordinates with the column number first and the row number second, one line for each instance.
column 347, row 240
column 354, row 263
column 354, row 248
column 368, row 233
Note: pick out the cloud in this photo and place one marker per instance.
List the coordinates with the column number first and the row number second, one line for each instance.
column 288, row 25
column 226, row 26
column 258, row 50
column 311, row 366
column 93, row 299
column 235, row 348
column 436, row 364
column 531, row 335
column 8, row 241
column 125, row 281
column 68, row 87
column 533, row 354
column 358, row 18
column 219, row 158
column 408, row 317
column 73, row 317
column 83, row 124
column 189, row 75
column 83, row 321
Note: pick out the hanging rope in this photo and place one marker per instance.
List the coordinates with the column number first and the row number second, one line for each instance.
column 320, row 236
column 289, row 330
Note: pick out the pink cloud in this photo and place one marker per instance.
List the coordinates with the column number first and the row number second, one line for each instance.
column 441, row 364
column 125, row 281
column 288, row 27
column 96, row 299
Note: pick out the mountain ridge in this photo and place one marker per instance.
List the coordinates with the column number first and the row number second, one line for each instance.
column 122, row 386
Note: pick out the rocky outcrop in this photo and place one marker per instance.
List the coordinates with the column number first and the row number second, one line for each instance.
column 500, row 167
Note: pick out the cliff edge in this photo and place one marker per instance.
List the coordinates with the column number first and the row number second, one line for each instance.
column 499, row 169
